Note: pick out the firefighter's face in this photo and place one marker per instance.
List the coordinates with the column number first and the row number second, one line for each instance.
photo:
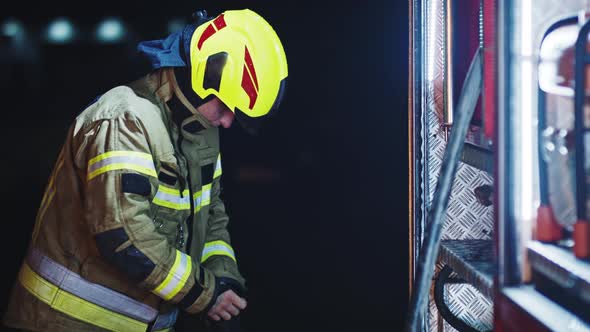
column 217, row 113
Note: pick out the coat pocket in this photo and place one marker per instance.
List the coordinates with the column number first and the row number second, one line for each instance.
column 171, row 204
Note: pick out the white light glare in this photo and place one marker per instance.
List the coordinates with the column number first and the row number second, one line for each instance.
column 175, row 25
column 527, row 148
column 60, row 31
column 110, row 30
column 431, row 39
column 11, row 28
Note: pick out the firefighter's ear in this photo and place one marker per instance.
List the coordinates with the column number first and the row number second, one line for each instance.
column 135, row 184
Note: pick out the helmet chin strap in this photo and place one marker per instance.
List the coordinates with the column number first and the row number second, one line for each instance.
column 180, row 95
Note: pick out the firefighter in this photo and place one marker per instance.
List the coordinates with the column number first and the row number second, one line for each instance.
column 131, row 231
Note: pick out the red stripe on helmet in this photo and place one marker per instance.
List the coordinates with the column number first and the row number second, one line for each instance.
column 209, row 31
column 248, row 86
column 250, row 65
column 219, row 22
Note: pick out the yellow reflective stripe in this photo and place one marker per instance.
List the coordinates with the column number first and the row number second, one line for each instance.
column 217, row 172
column 172, row 191
column 202, row 197
column 206, row 196
column 182, row 281
column 171, row 198
column 176, row 278
column 110, row 154
column 112, row 167
column 171, row 205
column 47, row 197
column 218, row 247
column 114, row 160
column 197, row 200
column 74, row 306
column 42, row 213
column 35, row 284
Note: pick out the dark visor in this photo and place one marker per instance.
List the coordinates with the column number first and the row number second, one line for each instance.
column 253, row 124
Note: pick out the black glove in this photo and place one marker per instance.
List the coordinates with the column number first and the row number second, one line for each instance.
column 223, row 284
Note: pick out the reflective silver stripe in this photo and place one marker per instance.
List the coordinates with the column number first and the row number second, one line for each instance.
column 177, row 276
column 117, row 160
column 202, row 197
column 170, row 198
column 122, row 160
column 198, row 200
column 218, row 171
column 217, row 248
column 91, row 292
column 206, row 194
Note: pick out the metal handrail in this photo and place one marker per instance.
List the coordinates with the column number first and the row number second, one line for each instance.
column 430, row 247
column 543, row 186
column 582, row 60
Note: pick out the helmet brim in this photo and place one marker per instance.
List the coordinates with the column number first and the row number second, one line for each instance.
column 253, row 125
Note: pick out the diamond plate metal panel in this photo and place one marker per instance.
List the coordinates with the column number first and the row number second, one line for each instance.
column 466, row 218
column 465, row 302
column 435, row 320
column 469, row 305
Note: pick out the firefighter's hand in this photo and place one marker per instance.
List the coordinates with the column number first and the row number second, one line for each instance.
column 226, row 305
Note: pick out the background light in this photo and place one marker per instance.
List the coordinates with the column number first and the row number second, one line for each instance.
column 528, row 148
column 60, row 31
column 176, row 24
column 110, row 30
column 11, row 28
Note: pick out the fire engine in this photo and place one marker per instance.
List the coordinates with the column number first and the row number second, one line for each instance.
column 499, row 142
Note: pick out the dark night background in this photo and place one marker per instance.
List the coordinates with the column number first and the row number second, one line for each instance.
column 318, row 201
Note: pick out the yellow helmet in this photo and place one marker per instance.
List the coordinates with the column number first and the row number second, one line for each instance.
column 238, row 57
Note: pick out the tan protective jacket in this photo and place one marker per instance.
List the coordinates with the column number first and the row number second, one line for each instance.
column 131, row 215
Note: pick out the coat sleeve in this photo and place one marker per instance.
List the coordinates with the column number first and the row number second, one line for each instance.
column 120, row 181
column 218, row 254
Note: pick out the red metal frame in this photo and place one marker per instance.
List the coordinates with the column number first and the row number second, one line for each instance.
column 509, row 317
column 489, row 66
